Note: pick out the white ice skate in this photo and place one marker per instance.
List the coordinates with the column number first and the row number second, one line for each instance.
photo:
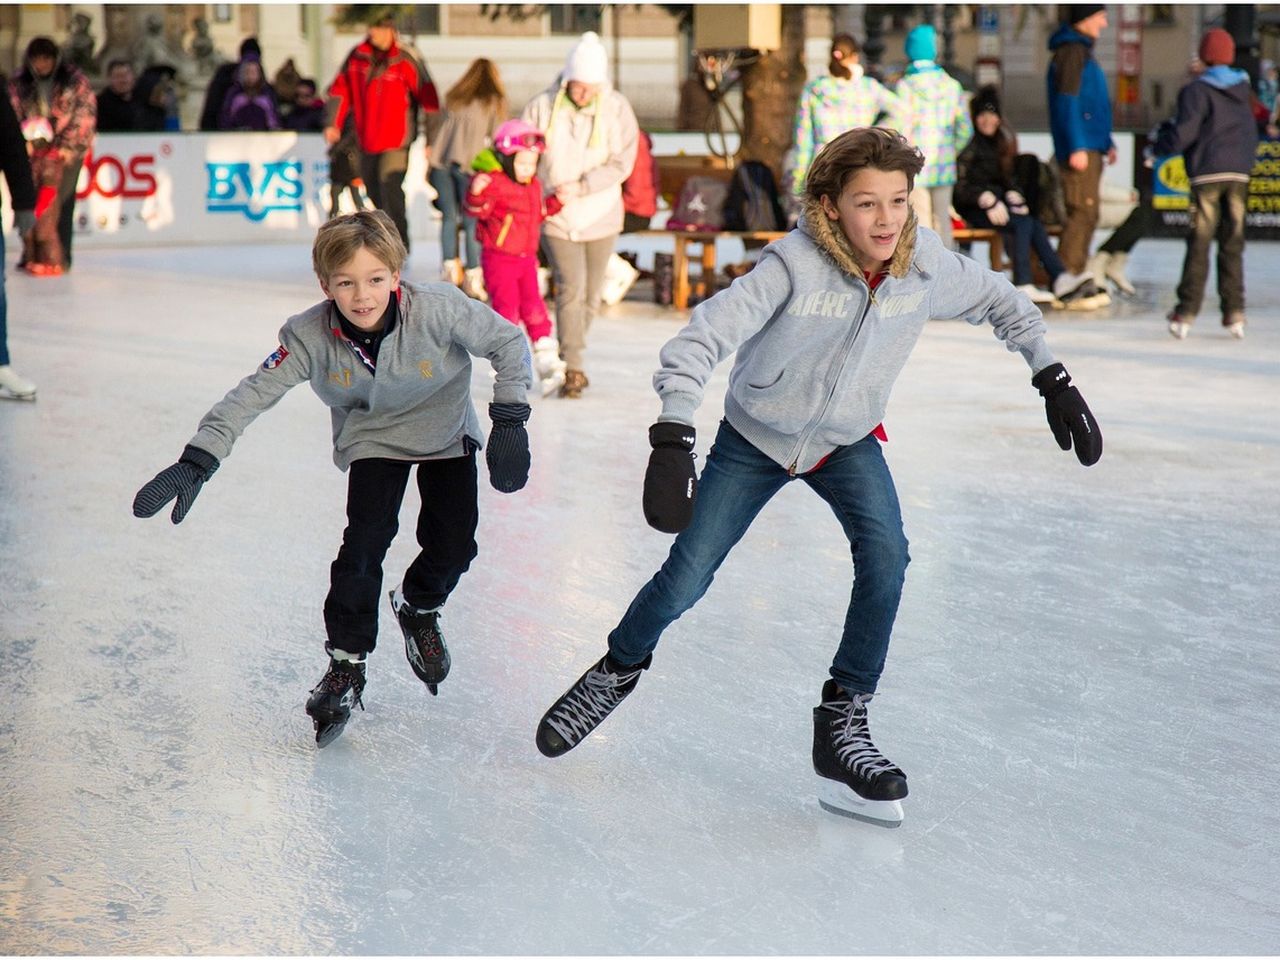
column 14, row 387
column 839, row 798
column 548, row 365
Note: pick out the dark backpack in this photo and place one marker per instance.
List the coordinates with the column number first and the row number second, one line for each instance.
column 753, row 202
column 700, row 206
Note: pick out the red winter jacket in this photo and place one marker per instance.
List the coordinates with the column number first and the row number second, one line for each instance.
column 382, row 89
column 640, row 190
column 510, row 214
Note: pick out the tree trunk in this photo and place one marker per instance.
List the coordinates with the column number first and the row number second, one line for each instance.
column 770, row 90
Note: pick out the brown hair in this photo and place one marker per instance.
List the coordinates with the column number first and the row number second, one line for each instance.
column 339, row 240
column 480, row 82
column 843, row 49
column 855, row 150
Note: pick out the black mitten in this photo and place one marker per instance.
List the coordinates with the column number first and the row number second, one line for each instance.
column 508, row 452
column 1069, row 417
column 182, row 480
column 670, row 482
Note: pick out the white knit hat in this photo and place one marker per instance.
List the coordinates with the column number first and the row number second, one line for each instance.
column 588, row 61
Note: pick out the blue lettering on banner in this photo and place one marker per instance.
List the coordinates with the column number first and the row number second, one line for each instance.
column 234, row 189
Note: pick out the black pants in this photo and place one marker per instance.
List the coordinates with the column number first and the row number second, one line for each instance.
column 1217, row 213
column 446, row 532
column 383, row 175
column 67, row 214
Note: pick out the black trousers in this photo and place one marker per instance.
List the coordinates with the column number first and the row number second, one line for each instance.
column 67, row 216
column 383, row 175
column 446, row 533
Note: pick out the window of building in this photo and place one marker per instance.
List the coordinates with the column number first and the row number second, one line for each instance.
column 1162, row 14
column 574, row 18
column 221, row 13
column 420, row 18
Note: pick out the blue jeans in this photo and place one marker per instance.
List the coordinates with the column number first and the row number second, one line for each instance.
column 736, row 483
column 4, row 310
column 451, row 186
column 1027, row 233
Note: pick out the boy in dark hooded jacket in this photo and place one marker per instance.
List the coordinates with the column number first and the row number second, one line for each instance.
column 1215, row 132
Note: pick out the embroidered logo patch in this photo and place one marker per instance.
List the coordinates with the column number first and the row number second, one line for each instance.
column 424, row 367
column 275, row 359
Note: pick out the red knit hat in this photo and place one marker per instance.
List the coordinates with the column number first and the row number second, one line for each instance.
column 1217, row 46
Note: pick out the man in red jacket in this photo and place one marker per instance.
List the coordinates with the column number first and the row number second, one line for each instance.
column 380, row 85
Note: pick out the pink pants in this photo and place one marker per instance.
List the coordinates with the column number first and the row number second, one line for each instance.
column 512, row 283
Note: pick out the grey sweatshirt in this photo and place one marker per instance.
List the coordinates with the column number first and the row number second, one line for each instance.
column 817, row 351
column 416, row 405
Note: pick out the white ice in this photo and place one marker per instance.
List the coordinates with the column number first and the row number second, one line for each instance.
column 1084, row 686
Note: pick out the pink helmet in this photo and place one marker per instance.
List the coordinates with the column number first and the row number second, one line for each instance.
column 516, row 135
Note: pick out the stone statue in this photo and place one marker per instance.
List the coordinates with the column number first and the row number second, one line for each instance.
column 153, row 49
column 78, row 50
column 205, row 54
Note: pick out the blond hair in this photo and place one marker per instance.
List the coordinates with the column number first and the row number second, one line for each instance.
column 877, row 148
column 339, row 240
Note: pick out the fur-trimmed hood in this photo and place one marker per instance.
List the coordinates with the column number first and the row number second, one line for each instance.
column 831, row 240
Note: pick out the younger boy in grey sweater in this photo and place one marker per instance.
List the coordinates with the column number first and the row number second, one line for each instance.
column 821, row 327
column 392, row 361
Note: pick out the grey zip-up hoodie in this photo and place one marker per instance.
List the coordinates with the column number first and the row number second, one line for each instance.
column 416, row 404
column 817, row 351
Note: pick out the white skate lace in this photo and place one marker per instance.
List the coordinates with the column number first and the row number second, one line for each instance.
column 591, row 701
column 852, row 741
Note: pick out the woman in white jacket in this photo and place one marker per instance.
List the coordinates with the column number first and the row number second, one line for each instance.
column 591, row 134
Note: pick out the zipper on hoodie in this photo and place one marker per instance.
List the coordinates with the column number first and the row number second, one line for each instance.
column 848, row 346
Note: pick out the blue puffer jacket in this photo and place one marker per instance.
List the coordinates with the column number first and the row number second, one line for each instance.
column 1213, row 129
column 1079, row 106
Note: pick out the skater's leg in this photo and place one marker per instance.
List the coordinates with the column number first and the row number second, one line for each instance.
column 736, row 483
column 501, row 282
column 533, row 310
column 856, row 483
column 447, row 523
column 375, row 489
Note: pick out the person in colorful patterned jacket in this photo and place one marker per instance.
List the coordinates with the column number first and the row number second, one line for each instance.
column 506, row 201
column 58, row 112
column 381, row 84
column 935, row 117
column 819, row 330
column 392, row 361
column 830, row 105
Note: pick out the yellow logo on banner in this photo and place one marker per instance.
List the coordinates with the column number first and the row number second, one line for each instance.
column 1173, row 174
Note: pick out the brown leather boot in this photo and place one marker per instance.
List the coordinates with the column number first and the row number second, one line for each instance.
column 575, row 381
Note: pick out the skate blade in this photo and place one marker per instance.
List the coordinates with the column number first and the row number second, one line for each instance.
column 552, row 383
column 841, row 800
column 434, row 688
column 326, row 733
column 18, row 397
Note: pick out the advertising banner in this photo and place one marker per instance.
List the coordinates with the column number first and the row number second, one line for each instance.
column 144, row 189
column 1171, row 195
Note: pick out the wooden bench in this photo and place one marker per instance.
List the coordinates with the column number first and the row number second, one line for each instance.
column 672, row 174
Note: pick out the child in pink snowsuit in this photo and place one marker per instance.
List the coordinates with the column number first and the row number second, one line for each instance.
column 506, row 199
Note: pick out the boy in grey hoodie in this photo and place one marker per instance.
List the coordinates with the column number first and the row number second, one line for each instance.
column 392, row 361
column 822, row 326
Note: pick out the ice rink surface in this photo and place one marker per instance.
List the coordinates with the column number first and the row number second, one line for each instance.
column 1084, row 686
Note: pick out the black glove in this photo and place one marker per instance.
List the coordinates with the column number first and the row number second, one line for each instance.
column 1069, row 416
column 508, row 452
column 182, row 480
column 670, row 483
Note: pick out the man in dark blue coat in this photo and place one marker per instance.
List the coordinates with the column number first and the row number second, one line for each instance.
column 1216, row 134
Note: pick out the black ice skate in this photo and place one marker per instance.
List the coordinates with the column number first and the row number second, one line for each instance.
column 585, row 705
column 333, row 697
column 423, row 642
column 857, row 781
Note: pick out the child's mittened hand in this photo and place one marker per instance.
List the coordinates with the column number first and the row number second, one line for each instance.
column 183, row 480
column 1069, row 416
column 508, row 452
column 670, row 482
column 479, row 182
